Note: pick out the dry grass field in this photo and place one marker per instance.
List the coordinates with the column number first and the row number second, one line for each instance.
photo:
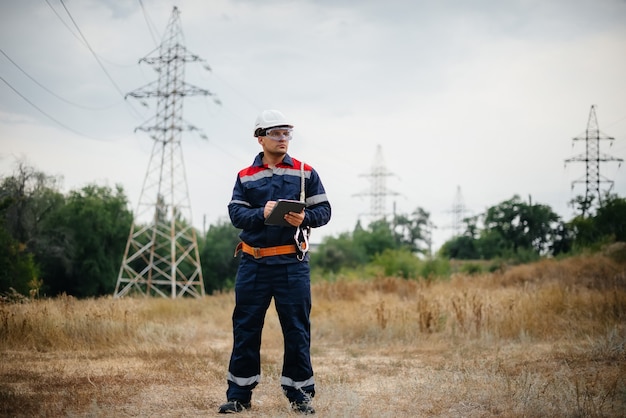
column 544, row 339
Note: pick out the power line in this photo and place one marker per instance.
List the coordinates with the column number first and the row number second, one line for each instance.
column 63, row 21
column 52, row 92
column 151, row 27
column 97, row 59
column 83, row 42
column 45, row 113
column 92, row 51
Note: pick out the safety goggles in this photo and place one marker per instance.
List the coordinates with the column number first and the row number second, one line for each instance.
column 278, row 134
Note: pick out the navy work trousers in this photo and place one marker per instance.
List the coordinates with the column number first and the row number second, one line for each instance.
column 290, row 286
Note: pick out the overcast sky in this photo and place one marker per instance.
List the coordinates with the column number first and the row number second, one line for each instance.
column 482, row 97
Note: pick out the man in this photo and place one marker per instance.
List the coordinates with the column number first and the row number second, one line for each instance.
column 274, row 263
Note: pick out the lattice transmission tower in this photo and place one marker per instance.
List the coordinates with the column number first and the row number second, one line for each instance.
column 161, row 256
column 592, row 159
column 458, row 212
column 378, row 191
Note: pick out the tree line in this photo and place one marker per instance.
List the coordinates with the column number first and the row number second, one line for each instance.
column 54, row 243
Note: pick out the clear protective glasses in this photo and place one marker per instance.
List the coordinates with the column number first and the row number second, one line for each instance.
column 278, row 134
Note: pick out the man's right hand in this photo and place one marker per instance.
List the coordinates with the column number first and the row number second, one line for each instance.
column 268, row 208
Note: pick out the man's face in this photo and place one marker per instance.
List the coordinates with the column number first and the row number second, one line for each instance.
column 276, row 140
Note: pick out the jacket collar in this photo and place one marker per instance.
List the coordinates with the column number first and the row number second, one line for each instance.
column 258, row 160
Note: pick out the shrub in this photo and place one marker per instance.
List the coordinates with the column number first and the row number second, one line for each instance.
column 471, row 268
column 435, row 267
column 400, row 263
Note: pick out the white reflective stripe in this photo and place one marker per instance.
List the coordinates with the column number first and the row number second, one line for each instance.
column 256, row 176
column 244, row 381
column 291, row 172
column 284, row 380
column 240, row 202
column 313, row 200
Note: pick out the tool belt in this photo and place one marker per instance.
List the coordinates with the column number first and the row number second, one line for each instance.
column 257, row 252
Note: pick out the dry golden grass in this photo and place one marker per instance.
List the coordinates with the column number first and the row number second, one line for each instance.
column 545, row 339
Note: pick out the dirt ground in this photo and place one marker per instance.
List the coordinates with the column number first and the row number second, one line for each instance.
column 430, row 379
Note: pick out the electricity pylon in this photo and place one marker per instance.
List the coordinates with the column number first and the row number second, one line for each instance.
column 378, row 191
column 458, row 213
column 161, row 255
column 592, row 158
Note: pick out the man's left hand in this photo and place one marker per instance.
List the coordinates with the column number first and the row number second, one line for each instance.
column 295, row 218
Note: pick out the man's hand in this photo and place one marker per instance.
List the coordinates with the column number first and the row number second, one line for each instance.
column 295, row 218
column 268, row 208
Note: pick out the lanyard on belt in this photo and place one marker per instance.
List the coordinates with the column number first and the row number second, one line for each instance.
column 302, row 244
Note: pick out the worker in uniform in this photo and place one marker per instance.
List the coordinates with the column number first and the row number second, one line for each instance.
column 274, row 264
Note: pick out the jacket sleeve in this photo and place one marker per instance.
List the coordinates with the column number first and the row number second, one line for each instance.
column 318, row 211
column 241, row 212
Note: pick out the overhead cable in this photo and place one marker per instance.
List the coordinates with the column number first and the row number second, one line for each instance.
column 81, row 41
column 63, row 21
column 46, row 114
column 50, row 91
column 96, row 57
column 151, row 27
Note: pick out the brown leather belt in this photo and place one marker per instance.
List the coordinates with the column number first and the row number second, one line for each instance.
column 257, row 252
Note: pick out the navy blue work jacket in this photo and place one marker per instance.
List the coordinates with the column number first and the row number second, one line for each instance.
column 258, row 184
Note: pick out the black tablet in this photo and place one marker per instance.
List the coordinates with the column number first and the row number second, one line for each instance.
column 283, row 206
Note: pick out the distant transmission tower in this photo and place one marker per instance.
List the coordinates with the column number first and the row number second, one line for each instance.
column 378, row 187
column 458, row 213
column 161, row 256
column 592, row 158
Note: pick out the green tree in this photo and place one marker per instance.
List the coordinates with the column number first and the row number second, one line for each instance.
column 17, row 267
column 338, row 252
column 26, row 198
column 413, row 231
column 512, row 229
column 584, row 230
column 405, row 233
column 462, row 247
column 582, row 205
column 522, row 225
column 377, row 238
column 466, row 246
column 608, row 224
column 491, row 244
column 562, row 239
column 219, row 267
column 399, row 263
column 610, row 218
column 90, row 231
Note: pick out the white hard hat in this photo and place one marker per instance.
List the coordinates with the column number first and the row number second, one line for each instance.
column 270, row 119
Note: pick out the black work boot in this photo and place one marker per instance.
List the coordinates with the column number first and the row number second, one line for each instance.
column 303, row 407
column 233, row 406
